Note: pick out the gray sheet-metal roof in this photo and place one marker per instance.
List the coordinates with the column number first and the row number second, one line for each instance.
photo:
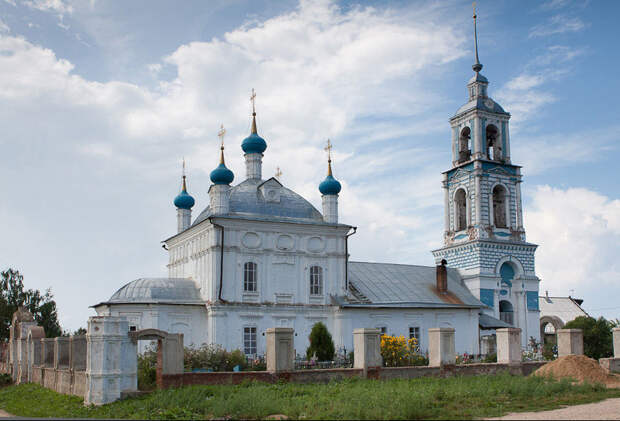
column 484, row 104
column 158, row 290
column 247, row 200
column 407, row 285
column 489, row 322
column 563, row 307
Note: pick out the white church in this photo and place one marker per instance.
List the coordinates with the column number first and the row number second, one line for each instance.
column 262, row 256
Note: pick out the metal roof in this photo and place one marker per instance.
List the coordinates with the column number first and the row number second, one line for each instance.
column 158, row 290
column 406, row 285
column 484, row 104
column 247, row 200
column 563, row 307
column 489, row 322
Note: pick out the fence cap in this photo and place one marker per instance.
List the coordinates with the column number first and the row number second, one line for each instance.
column 280, row 330
column 367, row 330
column 442, row 329
column 509, row 329
column 570, row 331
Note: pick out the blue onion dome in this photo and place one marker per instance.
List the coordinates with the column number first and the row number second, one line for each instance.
column 330, row 185
column 254, row 143
column 222, row 175
column 184, row 200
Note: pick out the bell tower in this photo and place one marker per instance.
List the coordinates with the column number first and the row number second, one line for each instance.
column 483, row 218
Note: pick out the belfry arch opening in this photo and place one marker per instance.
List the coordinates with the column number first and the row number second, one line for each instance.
column 494, row 149
column 460, row 210
column 506, row 312
column 464, row 150
column 499, row 207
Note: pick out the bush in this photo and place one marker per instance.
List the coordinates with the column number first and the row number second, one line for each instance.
column 321, row 343
column 549, row 351
column 597, row 335
column 147, row 369
column 490, row 358
column 400, row 352
column 213, row 358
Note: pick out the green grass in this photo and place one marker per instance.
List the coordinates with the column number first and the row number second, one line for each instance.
column 457, row 397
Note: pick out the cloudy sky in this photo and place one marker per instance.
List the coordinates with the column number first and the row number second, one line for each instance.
column 100, row 100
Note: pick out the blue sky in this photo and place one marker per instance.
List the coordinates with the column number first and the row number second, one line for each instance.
column 99, row 102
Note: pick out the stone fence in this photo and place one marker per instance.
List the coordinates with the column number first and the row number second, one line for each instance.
column 102, row 365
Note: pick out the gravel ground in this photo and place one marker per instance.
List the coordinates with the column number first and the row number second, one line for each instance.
column 605, row 410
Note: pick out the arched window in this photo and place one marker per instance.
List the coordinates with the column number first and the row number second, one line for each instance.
column 499, row 207
column 316, row 280
column 506, row 313
column 494, row 150
column 460, row 210
column 464, row 151
column 507, row 272
column 250, row 283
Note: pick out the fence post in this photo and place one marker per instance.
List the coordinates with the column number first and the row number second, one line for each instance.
column 367, row 349
column 508, row 345
column 110, row 360
column 441, row 348
column 280, row 353
column 570, row 342
column 616, row 336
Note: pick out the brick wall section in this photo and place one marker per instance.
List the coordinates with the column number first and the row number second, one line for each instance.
column 301, row 376
column 325, row 376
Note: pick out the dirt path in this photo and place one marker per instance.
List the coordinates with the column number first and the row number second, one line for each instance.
column 608, row 409
column 4, row 414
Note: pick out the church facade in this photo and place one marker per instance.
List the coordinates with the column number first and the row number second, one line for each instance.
column 262, row 256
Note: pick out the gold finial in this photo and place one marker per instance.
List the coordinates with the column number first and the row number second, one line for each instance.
column 278, row 173
column 328, row 148
column 184, row 184
column 253, row 101
column 221, row 134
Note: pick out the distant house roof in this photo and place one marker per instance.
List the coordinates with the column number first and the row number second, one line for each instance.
column 157, row 291
column 395, row 285
column 564, row 308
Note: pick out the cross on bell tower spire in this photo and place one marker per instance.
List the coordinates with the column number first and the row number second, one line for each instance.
column 221, row 134
column 328, row 149
column 477, row 66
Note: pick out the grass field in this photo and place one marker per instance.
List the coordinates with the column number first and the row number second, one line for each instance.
column 458, row 397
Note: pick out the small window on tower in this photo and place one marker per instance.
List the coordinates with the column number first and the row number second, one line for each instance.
column 460, row 208
column 464, row 151
column 494, row 150
column 499, row 207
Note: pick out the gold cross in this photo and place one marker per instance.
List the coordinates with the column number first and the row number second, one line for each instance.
column 253, row 99
column 278, row 172
column 328, row 148
column 221, row 134
column 183, row 166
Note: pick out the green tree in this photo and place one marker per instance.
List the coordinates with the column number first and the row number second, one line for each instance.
column 321, row 343
column 13, row 295
column 597, row 335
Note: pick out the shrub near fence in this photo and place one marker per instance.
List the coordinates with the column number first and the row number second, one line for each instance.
column 397, row 351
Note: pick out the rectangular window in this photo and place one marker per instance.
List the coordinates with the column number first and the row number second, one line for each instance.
column 316, row 280
column 249, row 277
column 249, row 340
column 414, row 332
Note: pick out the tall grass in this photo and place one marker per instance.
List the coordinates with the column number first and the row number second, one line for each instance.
column 458, row 397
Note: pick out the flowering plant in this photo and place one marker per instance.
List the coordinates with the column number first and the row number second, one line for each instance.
column 397, row 351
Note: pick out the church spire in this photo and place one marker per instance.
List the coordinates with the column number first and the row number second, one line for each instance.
column 221, row 134
column 477, row 66
column 253, row 99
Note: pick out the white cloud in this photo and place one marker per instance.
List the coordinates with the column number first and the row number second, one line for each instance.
column 579, row 232
column 526, row 94
column 4, row 28
column 319, row 72
column 558, row 24
column 59, row 7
